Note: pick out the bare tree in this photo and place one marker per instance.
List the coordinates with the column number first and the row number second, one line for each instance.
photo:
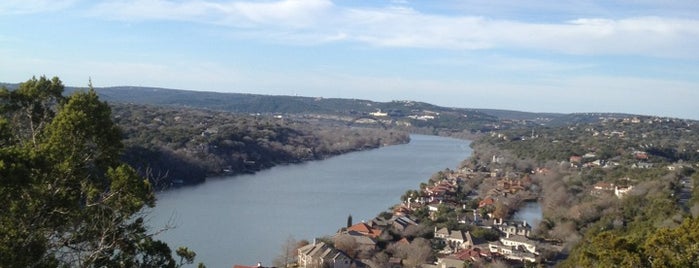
column 347, row 244
column 287, row 255
column 419, row 251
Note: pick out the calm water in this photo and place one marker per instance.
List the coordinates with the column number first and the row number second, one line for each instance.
column 245, row 219
column 530, row 212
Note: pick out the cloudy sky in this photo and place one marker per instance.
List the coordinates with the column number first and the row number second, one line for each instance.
column 635, row 56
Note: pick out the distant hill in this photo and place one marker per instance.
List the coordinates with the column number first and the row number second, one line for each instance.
column 419, row 116
column 411, row 115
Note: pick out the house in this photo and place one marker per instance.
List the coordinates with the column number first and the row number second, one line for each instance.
column 402, row 210
column 447, row 262
column 519, row 241
column 400, row 223
column 640, row 155
column 510, row 185
column 488, row 201
column 364, row 243
column 513, row 227
column 471, row 255
column 440, row 190
column 365, row 230
column 454, row 239
column 379, row 113
column 320, row 254
column 434, row 207
column 512, row 253
column 380, row 221
column 514, row 247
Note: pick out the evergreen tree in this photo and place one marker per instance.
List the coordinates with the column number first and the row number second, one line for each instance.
column 67, row 199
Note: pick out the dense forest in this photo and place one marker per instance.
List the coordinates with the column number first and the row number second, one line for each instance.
column 184, row 145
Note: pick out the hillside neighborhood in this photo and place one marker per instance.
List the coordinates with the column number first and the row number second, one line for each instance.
column 465, row 217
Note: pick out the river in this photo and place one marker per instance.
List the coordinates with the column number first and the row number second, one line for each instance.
column 245, row 219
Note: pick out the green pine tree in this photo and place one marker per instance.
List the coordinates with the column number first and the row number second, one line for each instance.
column 67, row 199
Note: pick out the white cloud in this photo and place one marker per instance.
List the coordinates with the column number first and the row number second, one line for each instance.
column 289, row 13
column 319, row 21
column 200, row 11
column 33, row 6
column 513, row 65
column 286, row 13
column 652, row 36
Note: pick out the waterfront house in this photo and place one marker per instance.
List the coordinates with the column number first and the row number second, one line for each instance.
column 320, row 254
column 400, row 223
column 515, row 247
column 363, row 243
column 512, row 227
column 402, row 209
column 365, row 230
column 519, row 241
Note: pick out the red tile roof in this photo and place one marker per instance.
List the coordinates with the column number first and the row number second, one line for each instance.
column 485, row 202
column 365, row 229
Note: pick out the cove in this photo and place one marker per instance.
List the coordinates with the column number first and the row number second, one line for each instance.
column 529, row 212
column 245, row 219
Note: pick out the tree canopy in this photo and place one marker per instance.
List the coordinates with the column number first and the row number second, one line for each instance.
column 68, row 200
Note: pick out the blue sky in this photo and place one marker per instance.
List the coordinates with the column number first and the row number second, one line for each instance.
column 566, row 56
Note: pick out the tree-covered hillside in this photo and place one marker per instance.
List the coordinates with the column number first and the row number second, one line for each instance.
column 408, row 115
column 184, row 145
